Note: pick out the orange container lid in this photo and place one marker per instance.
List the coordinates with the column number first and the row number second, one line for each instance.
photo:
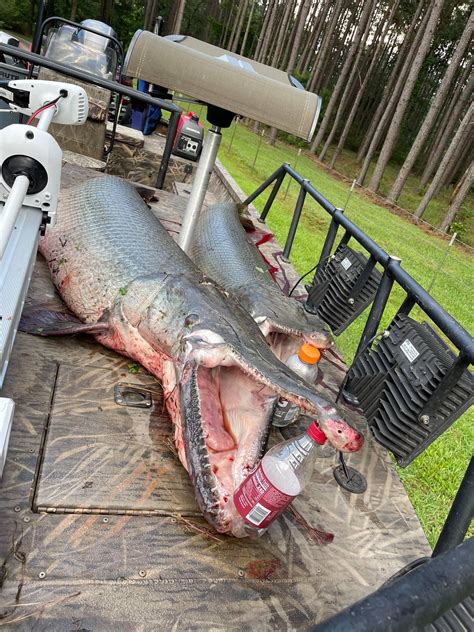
column 309, row 353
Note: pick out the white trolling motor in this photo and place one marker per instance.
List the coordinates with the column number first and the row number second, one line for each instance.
column 30, row 173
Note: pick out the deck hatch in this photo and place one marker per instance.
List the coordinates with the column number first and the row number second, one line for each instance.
column 102, row 457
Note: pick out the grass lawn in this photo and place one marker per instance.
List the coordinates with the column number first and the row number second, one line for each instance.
column 433, row 478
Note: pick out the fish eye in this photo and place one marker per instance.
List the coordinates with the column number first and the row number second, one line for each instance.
column 191, row 319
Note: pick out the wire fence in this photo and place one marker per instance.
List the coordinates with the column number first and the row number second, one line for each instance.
column 353, row 186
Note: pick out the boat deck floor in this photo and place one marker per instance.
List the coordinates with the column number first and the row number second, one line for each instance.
column 99, row 529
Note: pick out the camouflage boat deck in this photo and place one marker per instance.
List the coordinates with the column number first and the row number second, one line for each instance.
column 99, row 529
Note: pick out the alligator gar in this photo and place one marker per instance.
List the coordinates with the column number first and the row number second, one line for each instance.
column 222, row 250
column 127, row 281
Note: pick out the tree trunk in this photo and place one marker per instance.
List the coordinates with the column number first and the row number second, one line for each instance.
column 337, row 53
column 311, row 39
column 390, row 87
column 459, row 155
column 175, row 18
column 448, row 106
column 463, row 129
column 453, row 115
column 280, row 38
column 247, row 28
column 263, row 30
column 433, row 111
column 463, row 188
column 367, row 8
column 402, row 105
column 325, row 45
column 235, row 33
column 234, row 45
column 301, row 20
column 392, row 101
column 350, row 82
column 367, row 75
column 223, row 37
column 106, row 10
column 73, row 15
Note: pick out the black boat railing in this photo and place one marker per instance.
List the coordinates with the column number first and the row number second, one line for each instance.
column 112, row 86
column 428, row 588
column 438, row 591
column 393, row 270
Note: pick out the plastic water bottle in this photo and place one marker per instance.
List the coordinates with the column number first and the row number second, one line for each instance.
column 279, row 477
column 305, row 364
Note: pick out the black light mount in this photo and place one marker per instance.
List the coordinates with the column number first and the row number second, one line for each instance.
column 411, row 387
column 343, row 287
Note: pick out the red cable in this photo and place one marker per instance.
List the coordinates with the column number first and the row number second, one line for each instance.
column 42, row 109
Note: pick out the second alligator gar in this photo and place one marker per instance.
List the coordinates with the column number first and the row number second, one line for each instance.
column 221, row 248
column 120, row 272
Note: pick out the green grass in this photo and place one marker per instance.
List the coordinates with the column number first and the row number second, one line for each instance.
column 433, row 478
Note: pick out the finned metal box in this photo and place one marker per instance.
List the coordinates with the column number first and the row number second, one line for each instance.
column 343, row 288
column 403, row 376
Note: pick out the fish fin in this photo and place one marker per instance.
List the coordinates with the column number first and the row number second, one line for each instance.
column 46, row 322
column 245, row 219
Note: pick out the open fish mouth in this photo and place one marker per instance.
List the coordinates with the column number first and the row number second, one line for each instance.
column 220, row 380
column 225, row 423
column 317, row 337
column 224, row 433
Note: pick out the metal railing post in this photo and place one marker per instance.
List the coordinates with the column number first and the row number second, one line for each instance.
column 328, row 244
column 378, row 306
column 263, row 186
column 407, row 305
column 460, row 515
column 38, row 34
column 272, row 196
column 165, row 159
column 294, row 224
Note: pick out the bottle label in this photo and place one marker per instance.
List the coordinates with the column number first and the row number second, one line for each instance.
column 258, row 501
column 285, row 413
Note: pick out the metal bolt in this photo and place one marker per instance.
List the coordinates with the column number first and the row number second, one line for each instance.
column 425, row 420
column 105, row 519
column 42, row 575
column 17, row 508
column 241, row 573
column 351, row 301
column 173, row 520
column 47, row 196
column 142, row 573
column 26, row 519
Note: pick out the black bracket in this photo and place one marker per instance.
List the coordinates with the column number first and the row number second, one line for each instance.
column 349, row 478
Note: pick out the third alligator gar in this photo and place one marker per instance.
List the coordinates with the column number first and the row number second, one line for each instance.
column 120, row 272
column 221, row 248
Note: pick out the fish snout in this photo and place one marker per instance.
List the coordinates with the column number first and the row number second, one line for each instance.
column 341, row 435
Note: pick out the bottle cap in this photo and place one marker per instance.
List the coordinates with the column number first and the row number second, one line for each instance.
column 315, row 432
column 309, row 353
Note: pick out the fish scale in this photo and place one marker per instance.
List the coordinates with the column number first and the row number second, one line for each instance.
column 222, row 250
column 106, row 224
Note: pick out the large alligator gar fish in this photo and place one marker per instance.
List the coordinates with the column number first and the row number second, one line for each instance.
column 222, row 250
column 120, row 272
